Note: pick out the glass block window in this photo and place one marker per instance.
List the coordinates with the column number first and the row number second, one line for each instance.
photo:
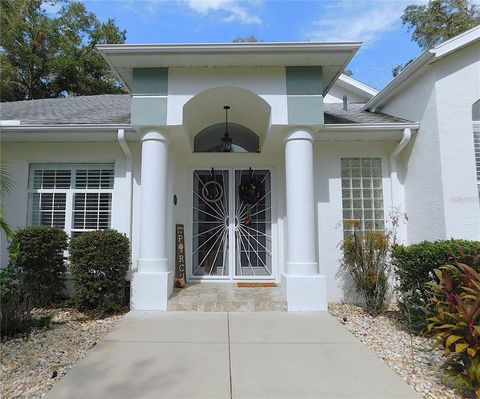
column 362, row 193
column 75, row 197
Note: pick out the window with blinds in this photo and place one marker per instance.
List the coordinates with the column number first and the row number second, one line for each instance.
column 362, row 193
column 476, row 143
column 75, row 197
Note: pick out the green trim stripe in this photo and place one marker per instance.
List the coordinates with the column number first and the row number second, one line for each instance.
column 306, row 80
column 150, row 81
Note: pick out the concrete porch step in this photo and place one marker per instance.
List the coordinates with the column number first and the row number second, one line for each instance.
column 210, row 297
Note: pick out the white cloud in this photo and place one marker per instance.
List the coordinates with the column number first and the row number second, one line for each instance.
column 233, row 10
column 242, row 11
column 51, row 8
column 361, row 20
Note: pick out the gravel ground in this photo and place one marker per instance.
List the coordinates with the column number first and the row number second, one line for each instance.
column 420, row 368
column 30, row 366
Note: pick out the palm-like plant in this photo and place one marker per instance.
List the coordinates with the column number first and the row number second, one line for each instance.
column 6, row 186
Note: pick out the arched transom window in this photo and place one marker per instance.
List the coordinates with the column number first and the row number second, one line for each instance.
column 210, row 139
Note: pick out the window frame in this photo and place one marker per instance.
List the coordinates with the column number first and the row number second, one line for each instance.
column 69, row 192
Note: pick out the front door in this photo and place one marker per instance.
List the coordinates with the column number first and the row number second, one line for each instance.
column 232, row 228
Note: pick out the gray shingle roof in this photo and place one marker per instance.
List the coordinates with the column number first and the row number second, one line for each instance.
column 115, row 109
column 335, row 114
column 101, row 109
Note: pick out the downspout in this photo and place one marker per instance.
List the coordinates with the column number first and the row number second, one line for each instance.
column 129, row 174
column 394, row 182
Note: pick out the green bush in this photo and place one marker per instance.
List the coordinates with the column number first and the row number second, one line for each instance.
column 99, row 264
column 38, row 253
column 414, row 267
column 15, row 306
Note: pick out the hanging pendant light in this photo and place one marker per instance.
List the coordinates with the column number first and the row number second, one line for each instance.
column 227, row 140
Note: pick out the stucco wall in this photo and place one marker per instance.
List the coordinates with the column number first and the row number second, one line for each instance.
column 438, row 167
column 328, row 198
column 268, row 83
column 327, row 190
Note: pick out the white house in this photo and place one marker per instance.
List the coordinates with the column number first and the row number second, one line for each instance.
column 259, row 150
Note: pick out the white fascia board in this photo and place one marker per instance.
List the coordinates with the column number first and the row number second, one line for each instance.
column 364, row 132
column 395, row 85
column 457, row 42
column 186, row 48
column 356, row 86
column 371, row 126
column 57, row 128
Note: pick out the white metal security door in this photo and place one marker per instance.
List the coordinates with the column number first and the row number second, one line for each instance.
column 232, row 232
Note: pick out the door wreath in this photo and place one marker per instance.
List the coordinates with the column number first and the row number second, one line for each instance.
column 212, row 191
column 249, row 192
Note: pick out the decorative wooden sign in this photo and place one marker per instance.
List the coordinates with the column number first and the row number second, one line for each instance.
column 180, row 269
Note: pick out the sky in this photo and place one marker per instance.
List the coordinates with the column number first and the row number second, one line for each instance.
column 377, row 23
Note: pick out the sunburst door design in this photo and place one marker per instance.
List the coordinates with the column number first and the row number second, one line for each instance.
column 232, row 235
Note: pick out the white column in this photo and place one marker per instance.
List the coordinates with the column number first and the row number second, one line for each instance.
column 153, row 282
column 303, row 286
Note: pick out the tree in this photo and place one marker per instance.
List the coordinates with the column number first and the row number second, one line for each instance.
column 440, row 20
column 45, row 56
column 247, row 39
column 6, row 186
column 348, row 72
column 400, row 67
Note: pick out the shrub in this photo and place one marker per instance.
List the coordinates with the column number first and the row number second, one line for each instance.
column 456, row 323
column 366, row 260
column 99, row 264
column 15, row 306
column 38, row 253
column 414, row 266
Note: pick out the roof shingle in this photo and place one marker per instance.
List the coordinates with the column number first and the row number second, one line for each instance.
column 115, row 109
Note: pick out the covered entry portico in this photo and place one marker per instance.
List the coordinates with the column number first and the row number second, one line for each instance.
column 274, row 91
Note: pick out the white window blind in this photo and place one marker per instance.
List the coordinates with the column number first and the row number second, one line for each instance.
column 75, row 197
column 47, row 209
column 476, row 143
column 362, row 193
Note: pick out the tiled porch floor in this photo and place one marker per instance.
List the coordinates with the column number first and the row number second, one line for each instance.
column 223, row 297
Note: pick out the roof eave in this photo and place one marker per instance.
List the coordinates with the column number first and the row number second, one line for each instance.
column 399, row 81
column 195, row 48
column 69, row 127
column 410, row 72
column 372, row 126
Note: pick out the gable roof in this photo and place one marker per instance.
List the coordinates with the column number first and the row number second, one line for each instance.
column 356, row 86
column 419, row 64
column 115, row 109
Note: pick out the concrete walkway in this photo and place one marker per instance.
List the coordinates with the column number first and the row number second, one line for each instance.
column 195, row 355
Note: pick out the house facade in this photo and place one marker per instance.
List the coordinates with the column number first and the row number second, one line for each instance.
column 260, row 151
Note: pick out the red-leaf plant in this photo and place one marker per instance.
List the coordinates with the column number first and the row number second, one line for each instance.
column 456, row 324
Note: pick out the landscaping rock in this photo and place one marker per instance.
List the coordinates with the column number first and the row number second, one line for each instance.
column 31, row 365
